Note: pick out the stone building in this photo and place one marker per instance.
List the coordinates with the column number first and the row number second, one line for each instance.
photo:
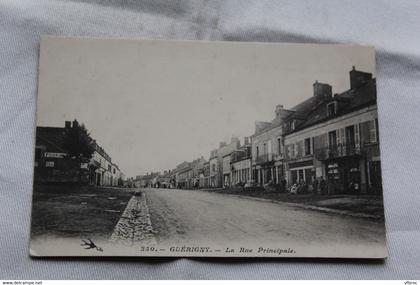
column 336, row 138
column 165, row 179
column 144, row 181
column 240, row 164
column 53, row 164
column 226, row 170
column 197, row 169
column 205, row 175
column 103, row 172
column 214, row 169
column 217, row 168
column 267, row 149
column 183, row 175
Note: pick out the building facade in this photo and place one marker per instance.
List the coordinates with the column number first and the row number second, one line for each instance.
column 54, row 165
column 226, row 170
column 216, row 162
column 337, row 141
column 197, row 171
column 205, row 175
column 214, row 169
column 183, row 175
column 268, row 149
column 241, row 165
column 103, row 172
column 326, row 144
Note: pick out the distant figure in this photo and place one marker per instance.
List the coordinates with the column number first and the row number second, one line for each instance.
column 354, row 187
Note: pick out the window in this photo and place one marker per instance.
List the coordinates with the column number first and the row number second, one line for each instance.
column 49, row 164
column 279, row 150
column 373, row 133
column 332, row 138
column 264, row 149
column 258, row 151
column 301, row 175
column 308, row 149
column 356, row 134
column 298, row 150
column 294, row 177
column 213, row 167
column 350, row 136
column 331, row 109
column 293, row 125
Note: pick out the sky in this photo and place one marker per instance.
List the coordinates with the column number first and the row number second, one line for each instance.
column 154, row 104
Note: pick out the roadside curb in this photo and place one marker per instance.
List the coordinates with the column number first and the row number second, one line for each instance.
column 134, row 224
column 308, row 207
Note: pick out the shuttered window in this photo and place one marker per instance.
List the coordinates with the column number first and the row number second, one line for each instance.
column 308, row 149
column 279, row 150
column 373, row 133
column 356, row 135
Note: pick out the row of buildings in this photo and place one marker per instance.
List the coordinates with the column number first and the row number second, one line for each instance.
column 54, row 165
column 329, row 139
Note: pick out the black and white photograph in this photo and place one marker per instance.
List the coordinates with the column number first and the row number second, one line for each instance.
column 206, row 149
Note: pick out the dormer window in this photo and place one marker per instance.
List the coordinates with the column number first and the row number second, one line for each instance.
column 331, row 109
column 293, row 125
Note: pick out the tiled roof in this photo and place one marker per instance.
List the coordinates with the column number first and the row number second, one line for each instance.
column 305, row 106
column 298, row 112
column 347, row 101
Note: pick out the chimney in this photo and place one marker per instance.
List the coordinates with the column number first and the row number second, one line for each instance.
column 75, row 124
column 322, row 90
column 67, row 124
column 281, row 113
column 246, row 141
column 279, row 109
column 358, row 78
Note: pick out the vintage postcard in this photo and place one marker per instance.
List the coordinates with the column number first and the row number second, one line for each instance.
column 206, row 149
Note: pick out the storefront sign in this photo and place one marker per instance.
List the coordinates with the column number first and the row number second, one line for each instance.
column 54, row 154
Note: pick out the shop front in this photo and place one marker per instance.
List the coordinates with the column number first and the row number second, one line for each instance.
column 302, row 172
column 344, row 175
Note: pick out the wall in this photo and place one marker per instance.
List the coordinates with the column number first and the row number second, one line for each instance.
column 365, row 146
column 238, row 167
column 270, row 137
